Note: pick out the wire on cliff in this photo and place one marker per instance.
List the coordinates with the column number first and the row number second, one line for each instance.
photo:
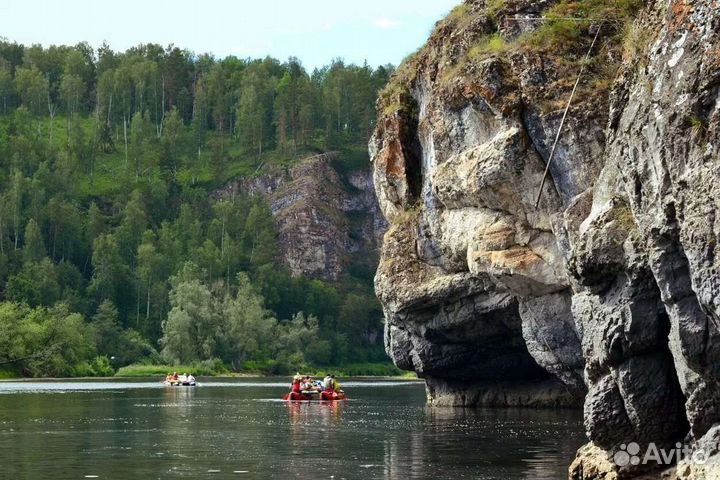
column 567, row 109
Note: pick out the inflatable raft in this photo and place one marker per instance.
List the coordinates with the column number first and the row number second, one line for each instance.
column 309, row 396
column 179, row 384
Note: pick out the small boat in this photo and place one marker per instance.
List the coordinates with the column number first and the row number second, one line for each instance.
column 313, row 395
column 173, row 383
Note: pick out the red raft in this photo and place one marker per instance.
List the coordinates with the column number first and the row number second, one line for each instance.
column 327, row 396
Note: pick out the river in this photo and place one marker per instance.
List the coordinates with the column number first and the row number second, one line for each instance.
column 239, row 429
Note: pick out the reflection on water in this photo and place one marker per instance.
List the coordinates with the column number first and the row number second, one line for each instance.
column 302, row 414
column 239, row 428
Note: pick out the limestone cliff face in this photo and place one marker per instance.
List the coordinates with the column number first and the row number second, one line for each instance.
column 324, row 223
column 607, row 294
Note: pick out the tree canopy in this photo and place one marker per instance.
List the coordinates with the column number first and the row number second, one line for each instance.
column 113, row 249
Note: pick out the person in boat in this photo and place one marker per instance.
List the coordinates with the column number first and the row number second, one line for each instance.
column 190, row 378
column 182, row 378
column 295, row 387
column 174, row 377
column 168, row 377
column 308, row 385
column 328, row 383
column 331, row 389
column 337, row 388
column 313, row 385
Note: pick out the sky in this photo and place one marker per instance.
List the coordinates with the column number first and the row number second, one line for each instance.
column 315, row 31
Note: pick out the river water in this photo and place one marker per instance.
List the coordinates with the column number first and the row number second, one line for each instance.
column 239, row 429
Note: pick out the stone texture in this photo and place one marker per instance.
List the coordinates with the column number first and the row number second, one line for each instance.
column 324, row 224
column 611, row 286
column 592, row 462
column 551, row 337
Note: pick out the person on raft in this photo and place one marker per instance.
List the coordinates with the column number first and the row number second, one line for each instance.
column 303, row 386
column 331, row 389
column 295, row 387
column 332, row 385
column 328, row 383
column 307, row 385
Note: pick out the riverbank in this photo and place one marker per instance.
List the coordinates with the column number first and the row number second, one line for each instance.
column 350, row 370
column 220, row 371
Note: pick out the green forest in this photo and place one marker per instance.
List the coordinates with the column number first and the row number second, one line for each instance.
column 113, row 252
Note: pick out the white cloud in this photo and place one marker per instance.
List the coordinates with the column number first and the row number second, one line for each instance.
column 386, row 23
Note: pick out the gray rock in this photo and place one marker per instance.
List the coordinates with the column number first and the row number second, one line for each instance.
column 615, row 274
column 323, row 224
column 552, row 339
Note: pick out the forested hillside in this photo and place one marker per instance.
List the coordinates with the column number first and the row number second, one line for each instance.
column 113, row 248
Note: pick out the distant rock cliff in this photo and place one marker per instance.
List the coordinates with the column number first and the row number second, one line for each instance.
column 608, row 293
column 325, row 223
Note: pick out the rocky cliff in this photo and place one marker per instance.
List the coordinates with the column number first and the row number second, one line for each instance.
column 607, row 293
column 326, row 222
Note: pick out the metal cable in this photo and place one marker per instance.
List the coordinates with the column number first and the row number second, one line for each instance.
column 567, row 108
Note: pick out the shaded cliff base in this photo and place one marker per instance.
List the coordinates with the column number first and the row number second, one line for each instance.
column 541, row 393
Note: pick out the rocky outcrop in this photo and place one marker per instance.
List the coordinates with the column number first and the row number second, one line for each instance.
column 325, row 223
column 609, row 288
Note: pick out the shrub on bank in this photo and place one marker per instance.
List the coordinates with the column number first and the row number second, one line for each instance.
column 209, row 368
column 384, row 369
column 46, row 342
column 368, row 369
column 213, row 368
column 98, row 367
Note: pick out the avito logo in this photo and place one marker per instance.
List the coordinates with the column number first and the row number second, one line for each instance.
column 629, row 454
